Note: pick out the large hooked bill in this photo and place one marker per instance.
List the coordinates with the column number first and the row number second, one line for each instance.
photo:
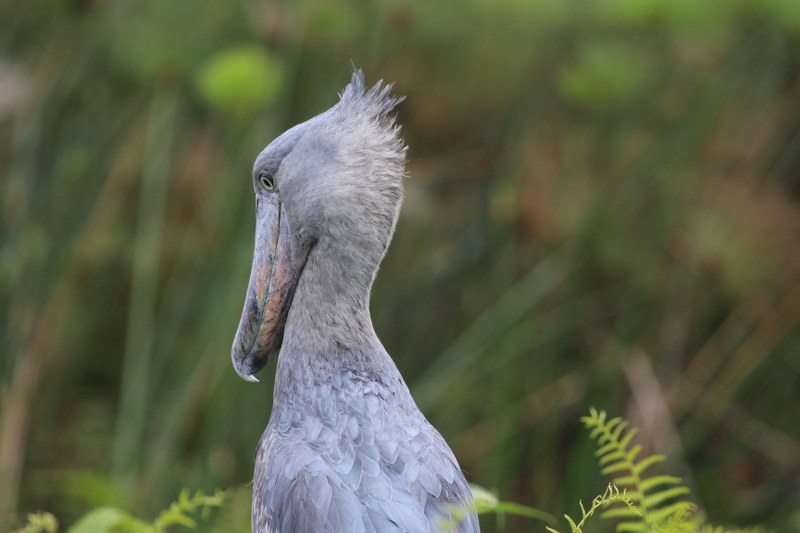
column 269, row 293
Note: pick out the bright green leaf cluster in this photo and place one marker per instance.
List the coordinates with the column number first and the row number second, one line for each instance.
column 240, row 80
column 40, row 523
column 110, row 520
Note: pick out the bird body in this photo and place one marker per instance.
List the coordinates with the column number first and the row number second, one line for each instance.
column 346, row 448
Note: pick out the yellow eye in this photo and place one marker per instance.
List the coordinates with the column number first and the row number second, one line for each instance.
column 266, row 181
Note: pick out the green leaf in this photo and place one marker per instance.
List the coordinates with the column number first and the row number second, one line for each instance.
column 518, row 509
column 619, row 429
column 176, row 518
column 633, row 453
column 606, row 448
column 660, row 515
column 616, row 455
column 616, row 467
column 241, row 80
column 628, row 436
column 483, row 500
column 486, row 502
column 573, row 526
column 620, row 512
column 650, row 483
column 647, row 462
column 633, row 527
column 177, row 513
column 660, row 497
column 40, row 523
column 625, row 482
column 107, row 520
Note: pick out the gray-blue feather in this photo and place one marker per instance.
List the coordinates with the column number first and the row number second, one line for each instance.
column 346, row 448
column 353, row 453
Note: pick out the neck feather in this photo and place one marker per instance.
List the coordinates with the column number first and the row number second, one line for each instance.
column 329, row 328
column 331, row 303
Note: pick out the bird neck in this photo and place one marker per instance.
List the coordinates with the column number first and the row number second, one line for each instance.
column 329, row 324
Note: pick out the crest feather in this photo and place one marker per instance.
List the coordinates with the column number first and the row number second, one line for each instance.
column 377, row 101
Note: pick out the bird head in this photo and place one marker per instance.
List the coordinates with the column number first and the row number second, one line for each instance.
column 331, row 186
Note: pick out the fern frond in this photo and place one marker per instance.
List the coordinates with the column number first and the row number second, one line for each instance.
column 617, row 456
column 606, row 449
column 628, row 437
column 610, row 496
column 664, row 495
column 177, row 514
column 611, row 455
column 647, row 462
column 655, row 481
column 619, row 466
column 681, row 522
column 653, row 504
column 663, row 514
column 575, row 528
column 620, row 512
column 618, row 428
column 626, row 481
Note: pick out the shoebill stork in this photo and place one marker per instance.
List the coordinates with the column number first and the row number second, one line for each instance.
column 346, row 449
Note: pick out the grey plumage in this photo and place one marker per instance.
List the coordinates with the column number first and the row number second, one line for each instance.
column 346, row 448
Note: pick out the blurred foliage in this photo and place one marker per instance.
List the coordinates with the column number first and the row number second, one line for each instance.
column 240, row 81
column 40, row 523
column 178, row 514
column 602, row 210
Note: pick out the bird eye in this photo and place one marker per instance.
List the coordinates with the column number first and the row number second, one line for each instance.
column 266, row 181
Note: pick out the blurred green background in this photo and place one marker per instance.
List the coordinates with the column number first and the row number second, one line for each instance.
column 602, row 210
